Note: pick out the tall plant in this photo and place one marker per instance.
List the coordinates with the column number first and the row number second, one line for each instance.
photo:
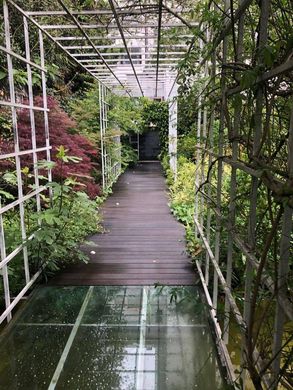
column 61, row 128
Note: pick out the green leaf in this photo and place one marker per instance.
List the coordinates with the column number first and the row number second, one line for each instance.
column 44, row 164
column 70, row 181
column 61, row 152
column 6, row 195
column 41, row 177
column 2, row 75
column 36, row 79
column 49, row 240
column 63, row 156
column 249, row 78
column 10, row 177
column 268, row 56
column 74, row 159
column 25, row 170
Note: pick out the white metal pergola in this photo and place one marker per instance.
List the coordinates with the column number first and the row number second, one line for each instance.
column 135, row 62
column 136, row 49
column 126, row 47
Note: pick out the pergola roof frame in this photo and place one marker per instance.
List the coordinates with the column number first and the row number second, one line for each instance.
column 25, row 14
column 81, row 29
column 125, row 43
column 158, row 43
column 164, row 56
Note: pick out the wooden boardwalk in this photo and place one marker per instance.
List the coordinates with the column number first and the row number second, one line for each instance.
column 143, row 243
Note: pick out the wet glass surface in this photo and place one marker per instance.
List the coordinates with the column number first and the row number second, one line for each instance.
column 29, row 355
column 112, row 338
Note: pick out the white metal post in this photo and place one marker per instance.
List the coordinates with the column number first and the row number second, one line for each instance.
column 16, row 137
column 32, row 114
column 102, row 135
column 172, row 144
column 4, row 268
column 45, row 106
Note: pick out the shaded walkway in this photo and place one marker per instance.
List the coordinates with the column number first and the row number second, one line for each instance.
column 143, row 243
column 118, row 337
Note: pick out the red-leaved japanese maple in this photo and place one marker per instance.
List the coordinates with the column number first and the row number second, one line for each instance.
column 60, row 128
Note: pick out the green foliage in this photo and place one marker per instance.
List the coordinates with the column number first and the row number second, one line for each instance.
column 182, row 195
column 5, row 123
column 137, row 115
column 128, row 156
column 124, row 117
column 186, row 145
column 6, row 194
column 155, row 116
column 63, row 156
column 85, row 110
column 58, row 229
column 126, row 113
column 183, row 191
column 249, row 78
column 63, row 228
column 56, row 243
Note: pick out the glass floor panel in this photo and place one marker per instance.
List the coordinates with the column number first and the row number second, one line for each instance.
column 112, row 338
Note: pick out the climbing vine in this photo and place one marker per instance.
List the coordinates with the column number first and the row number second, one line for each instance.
column 235, row 127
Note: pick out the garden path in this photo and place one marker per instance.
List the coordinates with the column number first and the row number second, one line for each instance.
column 102, row 336
column 143, row 243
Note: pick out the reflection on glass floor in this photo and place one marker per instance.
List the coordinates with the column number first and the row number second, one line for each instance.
column 112, row 338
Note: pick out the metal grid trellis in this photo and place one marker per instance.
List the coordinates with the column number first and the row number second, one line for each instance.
column 23, row 196
column 110, row 143
column 128, row 55
column 215, row 157
column 128, row 47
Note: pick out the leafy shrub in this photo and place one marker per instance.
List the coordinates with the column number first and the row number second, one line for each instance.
column 63, row 229
column 186, row 145
column 60, row 127
column 126, row 113
column 128, row 156
column 182, row 195
column 155, row 115
column 85, row 111
column 182, row 191
column 124, row 116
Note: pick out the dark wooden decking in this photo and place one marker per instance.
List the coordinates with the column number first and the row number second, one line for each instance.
column 143, row 244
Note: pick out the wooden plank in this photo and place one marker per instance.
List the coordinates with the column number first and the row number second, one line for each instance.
column 143, row 244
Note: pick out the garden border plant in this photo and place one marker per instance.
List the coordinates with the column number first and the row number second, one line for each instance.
column 58, row 229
